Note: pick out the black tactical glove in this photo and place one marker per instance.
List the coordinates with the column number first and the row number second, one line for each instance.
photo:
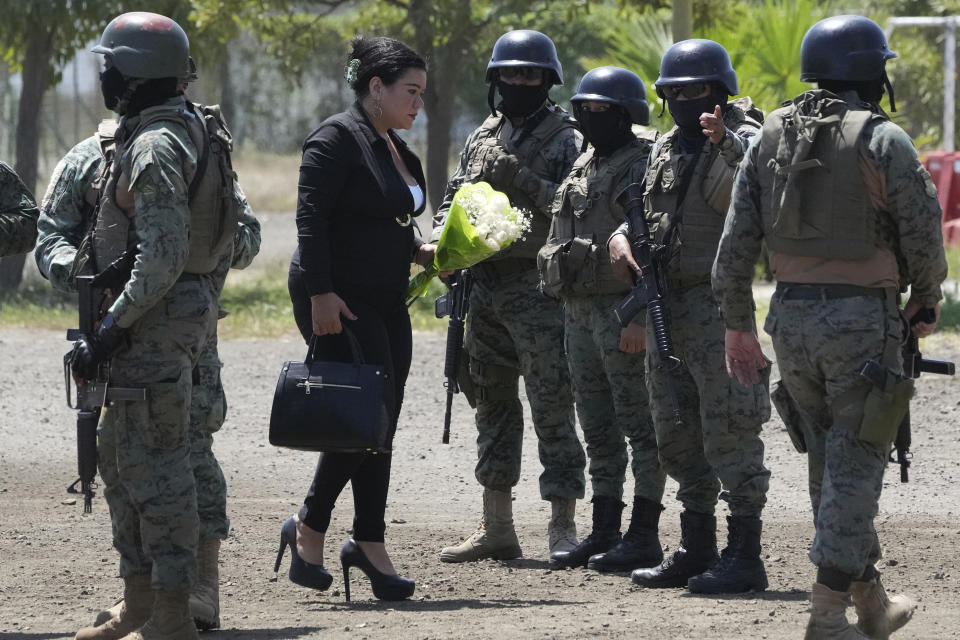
column 89, row 352
column 499, row 169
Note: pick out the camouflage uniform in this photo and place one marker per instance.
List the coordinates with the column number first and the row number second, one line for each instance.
column 822, row 344
column 605, row 379
column 64, row 218
column 513, row 329
column 18, row 214
column 170, row 315
column 717, row 438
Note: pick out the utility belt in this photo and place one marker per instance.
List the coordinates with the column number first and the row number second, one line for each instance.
column 494, row 272
column 795, row 291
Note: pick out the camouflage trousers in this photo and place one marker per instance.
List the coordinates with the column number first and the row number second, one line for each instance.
column 208, row 409
column 821, row 346
column 717, row 439
column 612, row 401
column 144, row 447
column 514, row 330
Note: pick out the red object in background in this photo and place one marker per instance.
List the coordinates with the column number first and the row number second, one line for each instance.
column 944, row 168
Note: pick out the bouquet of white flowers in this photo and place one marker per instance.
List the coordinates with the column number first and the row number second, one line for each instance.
column 480, row 223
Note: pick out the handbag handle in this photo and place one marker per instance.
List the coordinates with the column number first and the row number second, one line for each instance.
column 355, row 349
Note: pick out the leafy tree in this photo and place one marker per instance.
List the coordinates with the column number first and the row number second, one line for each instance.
column 37, row 39
column 763, row 39
column 455, row 36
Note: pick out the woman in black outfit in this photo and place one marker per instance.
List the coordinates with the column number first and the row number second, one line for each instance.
column 359, row 187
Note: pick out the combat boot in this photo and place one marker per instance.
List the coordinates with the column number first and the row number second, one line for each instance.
column 695, row 554
column 562, row 530
column 495, row 538
column 170, row 619
column 877, row 615
column 134, row 610
column 205, row 595
column 828, row 618
column 640, row 546
column 605, row 534
column 740, row 567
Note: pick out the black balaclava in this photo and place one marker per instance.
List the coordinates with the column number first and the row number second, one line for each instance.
column 151, row 93
column 113, row 86
column 869, row 90
column 686, row 114
column 521, row 100
column 606, row 130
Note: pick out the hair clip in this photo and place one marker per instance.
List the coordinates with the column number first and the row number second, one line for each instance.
column 350, row 71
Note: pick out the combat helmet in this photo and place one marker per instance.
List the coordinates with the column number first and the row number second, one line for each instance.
column 525, row 48
column 614, row 85
column 697, row 60
column 849, row 47
column 147, row 45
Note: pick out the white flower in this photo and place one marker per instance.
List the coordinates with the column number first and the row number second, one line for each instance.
column 496, row 222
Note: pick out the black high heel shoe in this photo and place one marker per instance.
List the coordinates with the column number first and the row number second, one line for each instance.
column 312, row 576
column 385, row 587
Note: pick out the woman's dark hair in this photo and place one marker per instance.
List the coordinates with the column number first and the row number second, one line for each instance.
column 386, row 58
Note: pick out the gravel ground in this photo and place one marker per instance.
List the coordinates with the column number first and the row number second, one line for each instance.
column 58, row 567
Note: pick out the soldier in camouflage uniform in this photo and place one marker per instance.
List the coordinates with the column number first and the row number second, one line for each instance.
column 850, row 217
column 525, row 149
column 606, row 362
column 708, row 426
column 157, row 327
column 65, row 217
column 18, row 214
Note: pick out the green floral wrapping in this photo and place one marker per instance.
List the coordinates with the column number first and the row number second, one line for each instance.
column 480, row 223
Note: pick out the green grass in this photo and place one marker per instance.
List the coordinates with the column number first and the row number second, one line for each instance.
column 953, row 262
column 36, row 305
column 259, row 306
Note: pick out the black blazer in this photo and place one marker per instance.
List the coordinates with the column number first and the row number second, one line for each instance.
column 350, row 198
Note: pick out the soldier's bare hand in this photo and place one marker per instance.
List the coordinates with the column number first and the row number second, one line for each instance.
column 621, row 259
column 633, row 338
column 713, row 126
column 744, row 356
column 326, row 309
column 921, row 329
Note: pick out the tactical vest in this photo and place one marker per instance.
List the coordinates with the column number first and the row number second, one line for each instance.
column 692, row 230
column 575, row 260
column 213, row 205
column 815, row 202
column 487, row 142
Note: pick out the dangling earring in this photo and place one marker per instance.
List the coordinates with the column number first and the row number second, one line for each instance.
column 379, row 108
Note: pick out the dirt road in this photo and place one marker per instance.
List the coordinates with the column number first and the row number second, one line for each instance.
column 57, row 567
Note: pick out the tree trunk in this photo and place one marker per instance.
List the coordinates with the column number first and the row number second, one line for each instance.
column 682, row 20
column 36, row 63
column 228, row 101
column 439, row 106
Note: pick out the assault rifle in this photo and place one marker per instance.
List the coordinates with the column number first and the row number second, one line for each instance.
column 913, row 365
column 648, row 287
column 93, row 395
column 455, row 303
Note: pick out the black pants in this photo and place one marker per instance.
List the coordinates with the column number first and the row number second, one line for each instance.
column 382, row 328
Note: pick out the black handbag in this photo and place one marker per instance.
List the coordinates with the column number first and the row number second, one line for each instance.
column 330, row 406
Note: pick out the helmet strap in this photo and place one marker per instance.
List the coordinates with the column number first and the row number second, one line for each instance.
column 889, row 89
column 123, row 102
column 491, row 94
